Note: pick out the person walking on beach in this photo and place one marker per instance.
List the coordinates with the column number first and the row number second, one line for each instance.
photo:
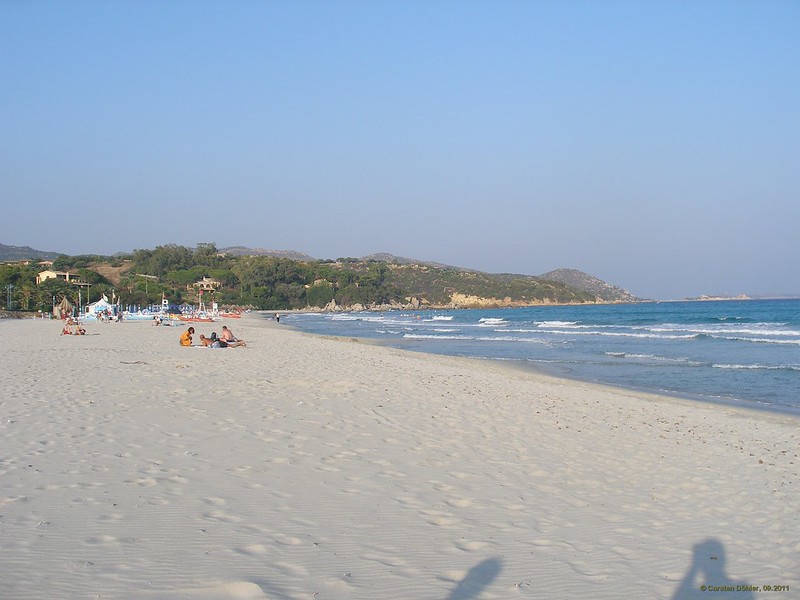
column 186, row 337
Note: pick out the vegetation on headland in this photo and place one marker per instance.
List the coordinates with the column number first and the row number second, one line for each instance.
column 273, row 283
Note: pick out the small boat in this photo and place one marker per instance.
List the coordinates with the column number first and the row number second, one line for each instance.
column 197, row 318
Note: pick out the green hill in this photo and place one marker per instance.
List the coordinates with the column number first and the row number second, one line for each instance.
column 272, row 280
column 12, row 253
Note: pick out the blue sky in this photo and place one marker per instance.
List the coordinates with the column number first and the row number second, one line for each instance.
column 654, row 144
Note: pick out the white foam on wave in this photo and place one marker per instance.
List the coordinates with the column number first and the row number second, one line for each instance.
column 474, row 338
column 656, row 358
column 491, row 322
column 756, row 340
column 351, row 317
column 766, row 329
column 558, row 324
column 757, row 367
column 650, row 336
column 430, row 336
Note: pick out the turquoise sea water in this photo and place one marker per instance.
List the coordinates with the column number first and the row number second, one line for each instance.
column 733, row 351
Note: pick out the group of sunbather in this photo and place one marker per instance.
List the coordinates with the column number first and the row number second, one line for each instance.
column 225, row 340
column 72, row 327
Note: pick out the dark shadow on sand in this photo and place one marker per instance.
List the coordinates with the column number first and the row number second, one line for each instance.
column 272, row 591
column 706, row 576
column 479, row 578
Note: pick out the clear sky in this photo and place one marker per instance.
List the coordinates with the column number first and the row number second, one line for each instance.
column 652, row 143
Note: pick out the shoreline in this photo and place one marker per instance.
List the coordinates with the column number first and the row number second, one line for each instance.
column 306, row 467
column 744, row 404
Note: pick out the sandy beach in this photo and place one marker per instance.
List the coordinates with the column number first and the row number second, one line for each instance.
column 304, row 467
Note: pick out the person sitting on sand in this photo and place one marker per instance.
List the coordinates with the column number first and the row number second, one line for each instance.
column 186, row 337
column 207, row 342
column 217, row 342
column 67, row 330
column 230, row 339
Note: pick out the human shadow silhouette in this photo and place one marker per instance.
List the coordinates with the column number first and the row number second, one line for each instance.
column 476, row 580
column 706, row 575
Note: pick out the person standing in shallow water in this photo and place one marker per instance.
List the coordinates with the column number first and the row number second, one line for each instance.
column 186, row 337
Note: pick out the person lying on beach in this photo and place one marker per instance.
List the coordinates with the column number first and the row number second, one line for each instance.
column 217, row 342
column 212, row 342
column 230, row 339
column 186, row 337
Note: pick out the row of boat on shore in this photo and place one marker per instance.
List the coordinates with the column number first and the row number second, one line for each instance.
column 146, row 315
column 104, row 311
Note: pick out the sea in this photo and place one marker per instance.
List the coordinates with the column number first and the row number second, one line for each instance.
column 740, row 352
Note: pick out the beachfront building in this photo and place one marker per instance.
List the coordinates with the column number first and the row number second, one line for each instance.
column 47, row 274
column 206, row 284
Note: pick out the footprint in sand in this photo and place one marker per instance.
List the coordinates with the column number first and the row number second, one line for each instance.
column 223, row 517
column 253, row 550
column 110, row 518
column 587, row 570
column 441, row 487
column 625, row 553
column 214, row 501
column 392, row 474
column 288, row 540
column 410, row 501
column 459, row 502
column 443, row 521
column 144, row 482
column 328, row 469
column 242, row 470
column 102, row 540
column 292, row 570
column 156, row 501
column 470, row 546
column 389, row 561
column 305, row 523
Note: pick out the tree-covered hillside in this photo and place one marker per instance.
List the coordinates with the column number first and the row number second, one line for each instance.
column 270, row 282
column 437, row 285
